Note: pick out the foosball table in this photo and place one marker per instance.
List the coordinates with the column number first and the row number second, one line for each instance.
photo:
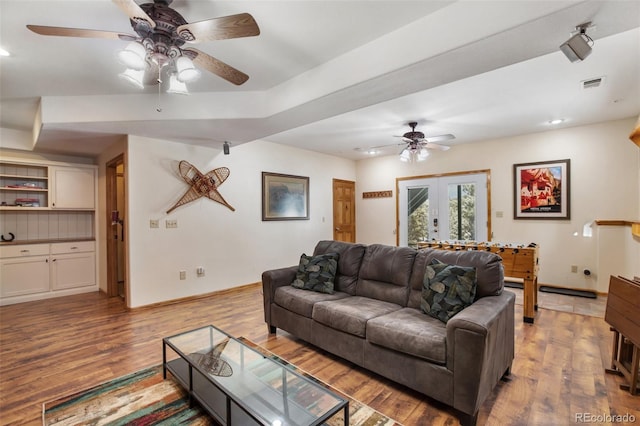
column 519, row 261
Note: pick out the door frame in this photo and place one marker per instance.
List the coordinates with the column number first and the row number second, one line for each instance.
column 112, row 247
column 440, row 175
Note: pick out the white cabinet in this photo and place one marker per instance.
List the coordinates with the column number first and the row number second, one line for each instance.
column 72, row 187
column 72, row 265
column 50, row 210
column 37, row 271
column 26, row 186
column 24, row 270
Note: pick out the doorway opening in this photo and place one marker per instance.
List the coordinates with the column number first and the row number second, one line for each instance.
column 115, row 223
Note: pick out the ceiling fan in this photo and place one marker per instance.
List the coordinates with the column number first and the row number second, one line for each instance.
column 416, row 145
column 161, row 33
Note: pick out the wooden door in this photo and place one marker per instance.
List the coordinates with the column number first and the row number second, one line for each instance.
column 344, row 210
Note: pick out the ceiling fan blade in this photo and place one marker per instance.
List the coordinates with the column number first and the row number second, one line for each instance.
column 234, row 26
column 406, row 139
column 439, row 138
column 217, row 67
column 134, row 11
column 380, row 146
column 436, row 147
column 79, row 32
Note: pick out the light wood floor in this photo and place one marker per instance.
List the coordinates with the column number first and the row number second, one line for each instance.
column 59, row 346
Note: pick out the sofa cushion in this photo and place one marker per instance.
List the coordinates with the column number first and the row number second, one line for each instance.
column 348, row 265
column 447, row 289
column 410, row 331
column 317, row 273
column 489, row 271
column 385, row 273
column 301, row 301
column 351, row 314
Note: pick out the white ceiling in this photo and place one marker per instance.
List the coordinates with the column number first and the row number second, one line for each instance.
column 331, row 76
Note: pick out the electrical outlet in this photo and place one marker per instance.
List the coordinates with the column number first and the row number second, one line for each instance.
column 183, row 275
column 173, row 223
column 200, row 271
column 574, row 268
column 154, row 223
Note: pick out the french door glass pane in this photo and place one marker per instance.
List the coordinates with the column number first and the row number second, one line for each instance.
column 418, row 215
column 462, row 211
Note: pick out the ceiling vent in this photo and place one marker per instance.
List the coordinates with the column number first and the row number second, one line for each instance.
column 592, row 83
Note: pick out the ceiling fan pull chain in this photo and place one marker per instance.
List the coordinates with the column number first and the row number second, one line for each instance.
column 159, row 108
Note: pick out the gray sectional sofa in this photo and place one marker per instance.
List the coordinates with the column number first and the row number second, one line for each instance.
column 374, row 319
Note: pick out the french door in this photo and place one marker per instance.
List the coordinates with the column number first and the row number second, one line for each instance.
column 453, row 207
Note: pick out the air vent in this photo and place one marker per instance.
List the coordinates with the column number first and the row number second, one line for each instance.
column 592, row 83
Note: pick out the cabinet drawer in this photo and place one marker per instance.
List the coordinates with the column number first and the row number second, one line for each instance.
column 24, row 275
column 24, row 250
column 73, row 247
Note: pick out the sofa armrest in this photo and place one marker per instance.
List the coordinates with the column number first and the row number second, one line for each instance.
column 480, row 349
column 271, row 280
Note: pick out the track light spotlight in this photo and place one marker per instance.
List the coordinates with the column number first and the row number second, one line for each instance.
column 578, row 47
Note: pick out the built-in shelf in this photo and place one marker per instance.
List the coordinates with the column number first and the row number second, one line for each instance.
column 23, row 188
column 26, row 184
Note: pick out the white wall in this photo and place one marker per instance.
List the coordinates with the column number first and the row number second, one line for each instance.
column 604, row 186
column 233, row 247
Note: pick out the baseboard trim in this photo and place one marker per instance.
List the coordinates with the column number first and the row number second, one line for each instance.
column 568, row 291
column 195, row 297
column 515, row 283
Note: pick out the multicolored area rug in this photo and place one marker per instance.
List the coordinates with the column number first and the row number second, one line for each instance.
column 144, row 398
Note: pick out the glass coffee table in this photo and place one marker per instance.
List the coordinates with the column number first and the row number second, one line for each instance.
column 237, row 385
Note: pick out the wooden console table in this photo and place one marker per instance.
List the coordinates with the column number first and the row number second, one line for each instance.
column 623, row 314
column 519, row 261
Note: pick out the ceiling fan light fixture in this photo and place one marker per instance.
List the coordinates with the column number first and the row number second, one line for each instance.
column 176, row 86
column 134, row 77
column 423, row 154
column 405, row 156
column 134, row 56
column 185, row 69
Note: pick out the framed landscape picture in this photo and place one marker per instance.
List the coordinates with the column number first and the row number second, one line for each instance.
column 541, row 190
column 284, row 197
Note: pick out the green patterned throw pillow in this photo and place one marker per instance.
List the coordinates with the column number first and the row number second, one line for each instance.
column 317, row 273
column 447, row 289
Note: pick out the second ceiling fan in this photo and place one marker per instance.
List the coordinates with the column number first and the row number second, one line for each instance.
column 416, row 145
column 161, row 33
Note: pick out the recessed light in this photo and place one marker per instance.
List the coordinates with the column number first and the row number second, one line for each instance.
column 4, row 52
column 556, row 121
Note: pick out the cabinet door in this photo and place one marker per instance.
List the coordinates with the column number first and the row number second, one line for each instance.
column 73, row 188
column 24, row 275
column 73, row 270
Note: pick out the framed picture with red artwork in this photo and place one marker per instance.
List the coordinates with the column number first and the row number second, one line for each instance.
column 541, row 190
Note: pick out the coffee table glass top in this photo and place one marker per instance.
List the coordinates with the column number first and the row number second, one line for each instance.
column 271, row 391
